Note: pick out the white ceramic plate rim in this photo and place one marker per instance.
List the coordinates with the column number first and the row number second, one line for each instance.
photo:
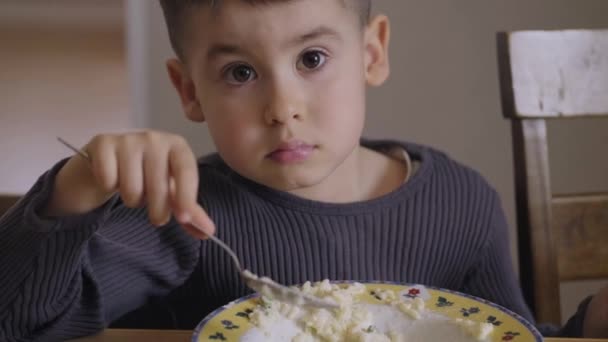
column 537, row 335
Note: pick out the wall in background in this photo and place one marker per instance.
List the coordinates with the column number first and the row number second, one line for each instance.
column 56, row 81
column 71, row 14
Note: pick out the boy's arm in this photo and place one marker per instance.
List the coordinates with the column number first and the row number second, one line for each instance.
column 595, row 315
column 72, row 276
column 493, row 277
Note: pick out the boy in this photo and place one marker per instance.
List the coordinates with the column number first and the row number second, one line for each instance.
column 294, row 191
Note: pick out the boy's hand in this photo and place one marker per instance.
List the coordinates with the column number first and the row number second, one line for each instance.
column 596, row 317
column 148, row 168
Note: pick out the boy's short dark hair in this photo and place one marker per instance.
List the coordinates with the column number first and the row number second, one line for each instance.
column 174, row 11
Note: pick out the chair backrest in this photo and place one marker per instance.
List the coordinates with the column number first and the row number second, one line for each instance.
column 549, row 75
column 6, row 202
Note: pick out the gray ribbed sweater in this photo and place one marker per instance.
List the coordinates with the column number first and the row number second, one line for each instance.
column 67, row 277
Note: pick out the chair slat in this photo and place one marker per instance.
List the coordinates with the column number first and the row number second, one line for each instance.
column 555, row 73
column 537, row 257
column 6, row 202
column 580, row 225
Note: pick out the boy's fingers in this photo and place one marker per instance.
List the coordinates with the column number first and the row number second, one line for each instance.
column 130, row 177
column 104, row 164
column 184, row 173
column 194, row 232
column 156, row 176
column 200, row 220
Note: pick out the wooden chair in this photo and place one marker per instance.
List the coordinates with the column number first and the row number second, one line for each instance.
column 6, row 202
column 553, row 75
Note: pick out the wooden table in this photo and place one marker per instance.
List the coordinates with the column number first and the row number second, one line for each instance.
column 120, row 335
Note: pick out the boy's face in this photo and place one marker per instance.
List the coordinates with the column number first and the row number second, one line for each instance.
column 281, row 86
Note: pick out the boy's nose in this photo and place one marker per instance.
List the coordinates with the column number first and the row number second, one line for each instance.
column 282, row 108
column 280, row 119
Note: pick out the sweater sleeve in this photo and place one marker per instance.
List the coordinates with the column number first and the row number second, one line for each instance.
column 72, row 276
column 574, row 326
column 493, row 277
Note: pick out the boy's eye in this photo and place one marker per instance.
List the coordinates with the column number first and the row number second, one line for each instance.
column 312, row 60
column 240, row 74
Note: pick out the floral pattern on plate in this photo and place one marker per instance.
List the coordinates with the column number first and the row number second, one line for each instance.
column 231, row 321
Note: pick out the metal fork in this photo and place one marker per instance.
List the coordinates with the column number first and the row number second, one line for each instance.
column 271, row 289
column 263, row 285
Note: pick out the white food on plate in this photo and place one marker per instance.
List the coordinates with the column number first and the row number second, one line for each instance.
column 395, row 319
column 479, row 331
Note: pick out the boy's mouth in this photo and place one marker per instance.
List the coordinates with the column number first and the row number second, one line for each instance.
column 293, row 151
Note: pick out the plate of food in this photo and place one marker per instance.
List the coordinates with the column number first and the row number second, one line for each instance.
column 370, row 312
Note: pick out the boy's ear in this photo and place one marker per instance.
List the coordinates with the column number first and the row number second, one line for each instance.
column 376, row 40
column 186, row 90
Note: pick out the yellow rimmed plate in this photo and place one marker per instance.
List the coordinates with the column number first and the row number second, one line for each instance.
column 231, row 322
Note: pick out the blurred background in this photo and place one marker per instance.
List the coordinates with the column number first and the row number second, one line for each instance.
column 76, row 68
